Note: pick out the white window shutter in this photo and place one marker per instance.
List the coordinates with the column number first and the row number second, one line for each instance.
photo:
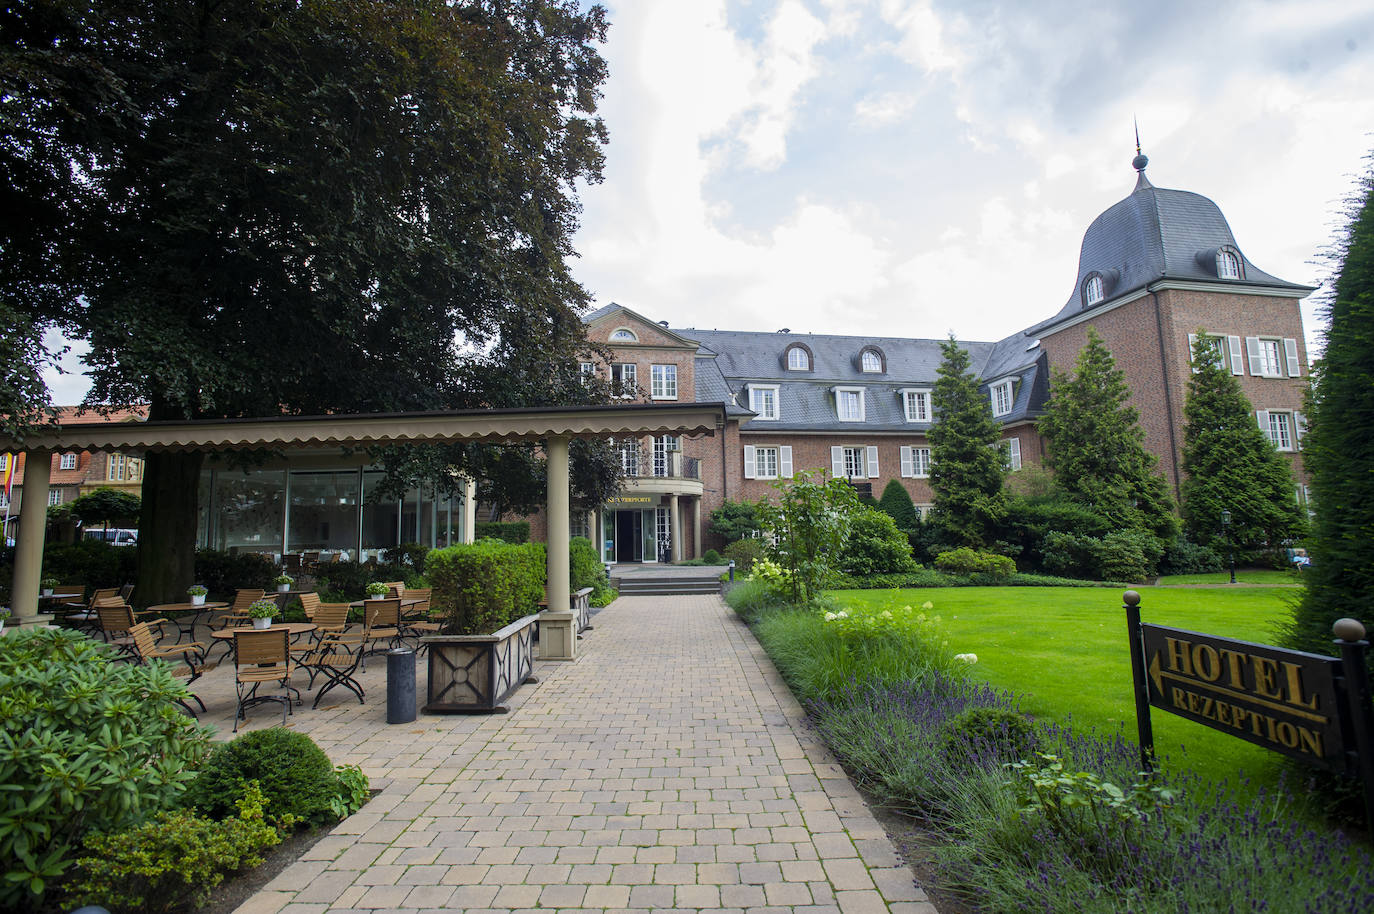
column 1253, row 348
column 1192, row 351
column 907, row 470
column 750, row 464
column 837, row 462
column 1290, row 349
column 1014, row 452
column 785, row 461
column 1262, row 415
column 1237, row 363
column 1299, row 427
column 872, row 462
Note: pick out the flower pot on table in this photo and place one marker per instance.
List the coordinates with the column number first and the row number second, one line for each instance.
column 262, row 623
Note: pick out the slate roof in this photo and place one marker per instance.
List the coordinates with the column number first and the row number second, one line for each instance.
column 1156, row 234
column 806, row 401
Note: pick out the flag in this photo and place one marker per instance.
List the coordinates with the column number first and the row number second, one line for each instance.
column 9, row 474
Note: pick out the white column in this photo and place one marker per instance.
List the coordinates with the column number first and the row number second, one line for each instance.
column 33, row 523
column 675, row 527
column 696, row 528
column 557, row 624
column 469, row 533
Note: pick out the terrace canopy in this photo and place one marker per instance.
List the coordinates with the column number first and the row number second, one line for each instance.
column 552, row 427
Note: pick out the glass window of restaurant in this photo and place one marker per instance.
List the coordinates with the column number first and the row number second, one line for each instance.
column 245, row 510
column 324, row 512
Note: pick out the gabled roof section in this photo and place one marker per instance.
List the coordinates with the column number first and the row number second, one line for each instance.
column 617, row 314
column 1157, row 234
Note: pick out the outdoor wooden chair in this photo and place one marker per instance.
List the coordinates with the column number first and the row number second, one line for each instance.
column 309, row 602
column 395, row 588
column 382, row 623
column 187, row 660
column 421, row 619
column 336, row 657
column 83, row 615
column 126, row 592
column 262, row 657
column 237, row 614
column 72, row 612
column 116, row 623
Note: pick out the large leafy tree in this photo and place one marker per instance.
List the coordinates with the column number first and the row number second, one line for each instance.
column 966, row 459
column 1336, row 449
column 1096, row 447
column 1231, row 465
column 258, row 206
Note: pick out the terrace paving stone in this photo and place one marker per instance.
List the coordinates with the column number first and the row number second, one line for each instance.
column 667, row 768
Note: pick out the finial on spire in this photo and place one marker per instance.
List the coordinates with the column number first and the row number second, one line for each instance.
column 1140, row 160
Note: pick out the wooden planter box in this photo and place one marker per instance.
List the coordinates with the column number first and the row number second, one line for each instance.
column 471, row 674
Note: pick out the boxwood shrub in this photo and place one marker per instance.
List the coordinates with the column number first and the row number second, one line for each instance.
column 484, row 586
column 296, row 778
column 86, row 743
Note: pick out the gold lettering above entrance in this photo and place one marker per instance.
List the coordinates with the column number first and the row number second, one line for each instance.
column 631, row 500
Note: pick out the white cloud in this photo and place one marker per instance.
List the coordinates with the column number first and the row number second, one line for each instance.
column 884, row 108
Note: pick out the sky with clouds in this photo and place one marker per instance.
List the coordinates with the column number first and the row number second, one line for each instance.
column 918, row 168
column 907, row 168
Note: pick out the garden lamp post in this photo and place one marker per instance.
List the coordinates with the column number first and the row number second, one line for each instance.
column 1230, row 546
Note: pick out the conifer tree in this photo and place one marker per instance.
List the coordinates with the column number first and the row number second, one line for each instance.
column 897, row 504
column 1096, row 447
column 1336, row 448
column 966, row 461
column 1231, row 464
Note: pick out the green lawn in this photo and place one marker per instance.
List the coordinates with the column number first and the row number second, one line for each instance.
column 1265, row 576
column 1064, row 651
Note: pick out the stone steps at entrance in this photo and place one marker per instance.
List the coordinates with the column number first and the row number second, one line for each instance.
column 666, row 580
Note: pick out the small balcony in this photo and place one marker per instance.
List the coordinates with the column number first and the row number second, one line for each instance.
column 666, row 472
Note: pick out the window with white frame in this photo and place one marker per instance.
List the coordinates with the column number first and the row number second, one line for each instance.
column 871, row 361
column 1273, row 358
column 764, row 400
column 663, row 382
column 629, row 457
column 854, row 463
column 588, row 369
column 767, row 462
column 798, row 359
column 916, row 405
column 1280, row 426
column 664, row 445
column 579, row 524
column 4, row 499
column 1001, row 395
column 1228, row 264
column 118, row 466
column 663, row 531
column 625, row 377
column 849, row 404
column 623, row 335
column 4, row 462
column 915, row 462
column 54, row 497
column 67, row 462
column 1092, row 289
column 1013, row 454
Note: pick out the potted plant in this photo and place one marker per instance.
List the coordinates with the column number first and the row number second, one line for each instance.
column 48, row 585
column 376, row 590
column 197, row 594
column 283, row 582
column 487, row 595
column 262, row 612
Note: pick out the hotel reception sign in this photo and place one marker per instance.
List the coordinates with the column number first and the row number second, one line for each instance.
column 1279, row 699
column 1307, row 706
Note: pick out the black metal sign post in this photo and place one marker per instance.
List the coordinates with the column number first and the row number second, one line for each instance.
column 1131, row 599
column 1307, row 706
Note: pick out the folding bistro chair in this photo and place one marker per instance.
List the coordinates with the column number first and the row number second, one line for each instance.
column 308, row 603
column 261, row 657
column 237, row 614
column 336, row 657
column 116, row 620
column 381, row 623
column 187, row 660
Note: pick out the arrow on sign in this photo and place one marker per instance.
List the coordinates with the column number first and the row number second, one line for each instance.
column 1155, row 677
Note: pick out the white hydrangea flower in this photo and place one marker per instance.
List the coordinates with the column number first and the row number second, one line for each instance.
column 967, row 658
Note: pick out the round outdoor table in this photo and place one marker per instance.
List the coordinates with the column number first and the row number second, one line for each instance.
column 184, row 616
column 294, row 629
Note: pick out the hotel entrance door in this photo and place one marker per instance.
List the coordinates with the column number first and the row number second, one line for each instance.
column 629, row 536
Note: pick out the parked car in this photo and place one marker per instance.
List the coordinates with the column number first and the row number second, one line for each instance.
column 115, row 536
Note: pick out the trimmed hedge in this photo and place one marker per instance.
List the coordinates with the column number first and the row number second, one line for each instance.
column 971, row 561
column 514, row 532
column 484, row 586
column 224, row 573
column 929, row 578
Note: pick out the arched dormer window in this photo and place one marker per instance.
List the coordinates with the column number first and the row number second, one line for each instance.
column 1228, row 264
column 1092, row 290
column 798, row 358
column 871, row 361
column 623, row 335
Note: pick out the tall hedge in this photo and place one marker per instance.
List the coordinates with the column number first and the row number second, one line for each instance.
column 515, row 531
column 484, row 586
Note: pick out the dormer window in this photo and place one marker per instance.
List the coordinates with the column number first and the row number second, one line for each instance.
column 849, row 404
column 871, row 361
column 623, row 335
column 1092, row 289
column 1002, row 396
column 1228, row 264
column 798, row 359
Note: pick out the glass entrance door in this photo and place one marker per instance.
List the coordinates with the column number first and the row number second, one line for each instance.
column 629, row 536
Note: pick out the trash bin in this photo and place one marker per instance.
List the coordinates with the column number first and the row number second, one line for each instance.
column 400, row 686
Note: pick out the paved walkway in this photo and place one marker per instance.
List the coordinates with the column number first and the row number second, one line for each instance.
column 667, row 768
